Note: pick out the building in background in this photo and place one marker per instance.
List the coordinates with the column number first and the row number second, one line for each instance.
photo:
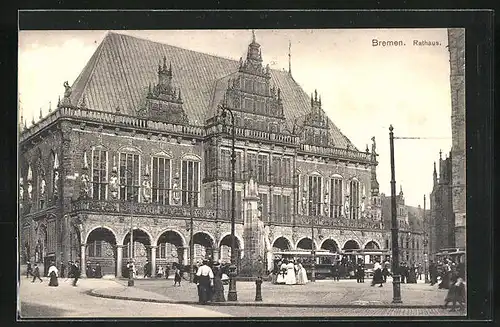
column 441, row 221
column 134, row 144
column 411, row 228
column 456, row 46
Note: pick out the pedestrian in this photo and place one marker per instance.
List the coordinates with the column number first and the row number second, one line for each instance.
column 290, row 278
column 70, row 269
column 385, row 272
column 282, row 272
column 377, row 274
column 205, row 280
column 301, row 275
column 76, row 273
column 36, row 274
column 336, row 271
column 88, row 270
column 275, row 271
column 456, row 291
column 29, row 269
column 98, row 270
column 433, row 272
column 445, row 281
column 177, row 276
column 147, row 268
column 53, row 274
column 360, row 272
column 218, row 294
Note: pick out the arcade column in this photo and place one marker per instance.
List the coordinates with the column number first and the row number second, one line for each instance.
column 119, row 260
column 153, row 260
column 82, row 260
column 215, row 254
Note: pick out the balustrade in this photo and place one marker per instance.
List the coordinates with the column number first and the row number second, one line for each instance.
column 322, row 221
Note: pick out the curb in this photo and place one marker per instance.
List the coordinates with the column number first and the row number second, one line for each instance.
column 261, row 304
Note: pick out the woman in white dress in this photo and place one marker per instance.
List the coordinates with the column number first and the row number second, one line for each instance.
column 290, row 278
column 301, row 275
column 281, row 273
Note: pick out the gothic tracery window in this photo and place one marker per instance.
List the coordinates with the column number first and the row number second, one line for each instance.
column 354, row 199
column 99, row 174
column 190, row 182
column 335, row 197
column 129, row 177
column 161, row 180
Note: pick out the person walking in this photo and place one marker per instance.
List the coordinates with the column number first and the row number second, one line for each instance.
column 218, row 294
column 301, row 275
column 62, row 270
column 360, row 272
column 75, row 273
column 290, row 278
column 36, row 274
column 177, row 276
column 167, row 271
column 29, row 269
column 98, row 270
column 377, row 274
column 53, row 274
column 205, row 280
column 433, row 272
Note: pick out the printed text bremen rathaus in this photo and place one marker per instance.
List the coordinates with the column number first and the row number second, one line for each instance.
column 138, row 140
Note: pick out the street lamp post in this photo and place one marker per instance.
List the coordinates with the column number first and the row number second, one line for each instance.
column 191, row 241
column 313, row 248
column 425, row 246
column 232, row 294
column 396, row 281
column 131, row 252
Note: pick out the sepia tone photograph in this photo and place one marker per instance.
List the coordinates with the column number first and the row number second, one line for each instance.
column 241, row 173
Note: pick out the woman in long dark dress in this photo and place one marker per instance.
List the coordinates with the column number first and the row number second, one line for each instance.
column 53, row 273
column 445, row 282
column 218, row 295
column 377, row 274
column 456, row 291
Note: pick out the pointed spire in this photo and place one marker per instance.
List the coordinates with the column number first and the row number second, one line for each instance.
column 367, row 149
column 312, row 99
column 435, row 171
column 289, row 57
column 50, row 106
column 56, row 161
column 440, row 154
column 319, row 100
column 253, row 36
column 315, row 95
column 41, row 115
column 32, row 120
column 25, row 127
column 59, row 101
column 401, row 189
column 85, row 161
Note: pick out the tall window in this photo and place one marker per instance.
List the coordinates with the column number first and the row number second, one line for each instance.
column 129, row 177
column 262, row 168
column 95, row 249
column 282, row 170
column 227, row 205
column 282, row 208
column 335, row 197
column 251, row 164
column 225, row 163
column 190, row 182
column 354, row 199
column 276, row 169
column 315, row 197
column 161, row 180
column 265, row 206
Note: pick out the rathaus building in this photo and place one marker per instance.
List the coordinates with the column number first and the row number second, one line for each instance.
column 138, row 143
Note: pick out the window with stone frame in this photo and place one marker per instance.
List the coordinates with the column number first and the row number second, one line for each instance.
column 354, row 199
column 251, row 164
column 99, row 174
column 190, row 182
column 262, row 168
column 226, row 205
column 95, row 249
column 315, row 198
column 225, row 171
column 129, row 177
column 335, row 197
column 282, row 208
column 265, row 207
column 161, row 177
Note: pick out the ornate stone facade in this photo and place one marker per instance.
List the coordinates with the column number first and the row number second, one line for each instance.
column 154, row 170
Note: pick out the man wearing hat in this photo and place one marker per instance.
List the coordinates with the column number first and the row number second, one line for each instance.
column 205, row 281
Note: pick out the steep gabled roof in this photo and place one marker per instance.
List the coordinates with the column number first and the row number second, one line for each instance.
column 121, row 69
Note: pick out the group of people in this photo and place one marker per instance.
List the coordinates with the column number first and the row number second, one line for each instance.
column 54, row 273
column 452, row 278
column 209, row 281
column 289, row 272
column 93, row 271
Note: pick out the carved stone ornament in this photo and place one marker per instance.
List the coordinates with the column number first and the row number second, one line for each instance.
column 84, row 186
column 295, row 234
column 146, row 190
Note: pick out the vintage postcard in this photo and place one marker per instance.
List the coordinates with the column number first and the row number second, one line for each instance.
column 242, row 173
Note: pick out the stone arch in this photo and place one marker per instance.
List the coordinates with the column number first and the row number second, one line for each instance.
column 225, row 246
column 371, row 245
column 90, row 230
column 129, row 149
column 143, row 230
column 286, row 241
column 101, row 248
column 170, row 247
column 183, row 238
column 330, row 244
column 351, row 245
column 203, row 243
column 306, row 244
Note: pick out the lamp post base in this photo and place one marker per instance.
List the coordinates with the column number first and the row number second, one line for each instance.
column 396, row 289
column 232, row 295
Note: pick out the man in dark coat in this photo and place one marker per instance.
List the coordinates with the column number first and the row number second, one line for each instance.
column 62, row 270
column 29, row 270
column 36, row 274
column 360, row 272
column 433, row 272
column 98, row 270
column 75, row 272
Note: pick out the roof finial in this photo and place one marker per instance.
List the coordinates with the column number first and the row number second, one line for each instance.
column 289, row 57
column 440, row 154
column 253, row 36
column 315, row 95
column 59, row 101
column 41, row 113
column 50, row 106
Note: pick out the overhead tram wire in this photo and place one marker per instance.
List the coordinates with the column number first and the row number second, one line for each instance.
column 420, row 138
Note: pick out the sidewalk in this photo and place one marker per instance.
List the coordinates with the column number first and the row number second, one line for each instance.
column 321, row 294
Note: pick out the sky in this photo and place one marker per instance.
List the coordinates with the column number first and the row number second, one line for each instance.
column 364, row 88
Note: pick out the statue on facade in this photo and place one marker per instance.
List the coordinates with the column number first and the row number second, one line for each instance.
column 56, row 183
column 346, row 208
column 85, row 186
column 67, row 90
column 146, row 190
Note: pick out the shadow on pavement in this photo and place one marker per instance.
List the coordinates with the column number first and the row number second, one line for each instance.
column 31, row 310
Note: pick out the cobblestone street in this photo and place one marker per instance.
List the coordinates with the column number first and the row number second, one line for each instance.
column 38, row 300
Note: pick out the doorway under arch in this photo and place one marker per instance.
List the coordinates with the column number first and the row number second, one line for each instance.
column 203, row 246
column 281, row 244
column 101, row 248
column 140, row 251
column 170, row 248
